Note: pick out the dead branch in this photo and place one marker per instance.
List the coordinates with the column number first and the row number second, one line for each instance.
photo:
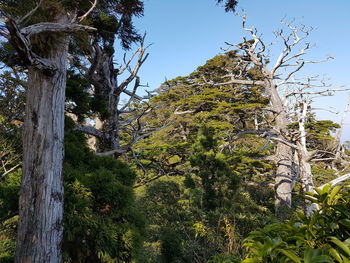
column 336, row 181
column 48, row 27
column 12, row 169
column 31, row 13
column 93, row 5
column 91, row 131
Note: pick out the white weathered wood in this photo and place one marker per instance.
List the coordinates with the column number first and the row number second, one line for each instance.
column 305, row 172
column 288, row 63
column 40, row 228
column 336, row 181
column 49, row 27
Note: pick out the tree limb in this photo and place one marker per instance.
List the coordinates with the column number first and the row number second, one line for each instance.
column 49, row 27
column 81, row 18
column 9, row 171
column 336, row 181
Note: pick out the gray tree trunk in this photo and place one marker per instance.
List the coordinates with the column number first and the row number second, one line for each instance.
column 40, row 228
column 285, row 176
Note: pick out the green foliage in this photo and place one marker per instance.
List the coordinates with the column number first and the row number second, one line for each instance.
column 79, row 99
column 209, row 212
column 111, row 17
column 8, row 217
column 203, row 214
column 322, row 237
column 225, row 109
column 171, row 249
column 218, row 182
column 101, row 220
column 319, row 133
column 322, row 175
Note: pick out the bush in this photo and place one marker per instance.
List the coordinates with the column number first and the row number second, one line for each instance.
column 322, row 237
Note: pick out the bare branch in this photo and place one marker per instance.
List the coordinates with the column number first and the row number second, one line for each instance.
column 149, row 180
column 291, row 145
column 127, row 63
column 132, row 93
column 91, row 131
column 323, row 159
column 49, row 27
column 22, row 45
column 327, row 92
column 259, row 184
column 81, row 18
column 240, row 82
column 109, row 153
column 31, row 13
column 9, row 171
column 143, row 136
column 336, row 181
column 134, row 72
column 177, row 112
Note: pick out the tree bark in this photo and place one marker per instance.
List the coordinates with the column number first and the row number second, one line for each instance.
column 285, row 176
column 305, row 171
column 40, row 228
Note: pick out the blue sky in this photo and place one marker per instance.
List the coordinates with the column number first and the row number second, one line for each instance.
column 186, row 33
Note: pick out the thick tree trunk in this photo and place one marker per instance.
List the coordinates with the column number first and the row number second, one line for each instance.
column 284, row 181
column 40, row 228
column 285, row 175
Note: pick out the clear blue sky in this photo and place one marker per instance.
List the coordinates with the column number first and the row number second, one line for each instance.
column 186, row 33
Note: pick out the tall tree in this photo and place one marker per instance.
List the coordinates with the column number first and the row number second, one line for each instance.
column 279, row 83
column 39, row 34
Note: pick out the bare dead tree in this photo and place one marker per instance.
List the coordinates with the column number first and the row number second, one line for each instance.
column 275, row 80
column 303, row 96
column 304, row 157
column 123, row 117
column 298, row 101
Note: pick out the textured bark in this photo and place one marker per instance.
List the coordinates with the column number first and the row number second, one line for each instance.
column 285, row 175
column 104, row 76
column 109, row 90
column 40, row 228
column 289, row 62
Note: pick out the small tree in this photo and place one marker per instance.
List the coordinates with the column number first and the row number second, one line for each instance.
column 218, row 181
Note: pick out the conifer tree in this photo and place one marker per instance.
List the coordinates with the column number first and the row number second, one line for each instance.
column 38, row 34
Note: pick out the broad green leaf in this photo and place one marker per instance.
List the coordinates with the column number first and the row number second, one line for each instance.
column 333, row 193
column 324, row 190
column 341, row 245
column 290, row 255
column 315, row 256
column 345, row 222
column 335, row 254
